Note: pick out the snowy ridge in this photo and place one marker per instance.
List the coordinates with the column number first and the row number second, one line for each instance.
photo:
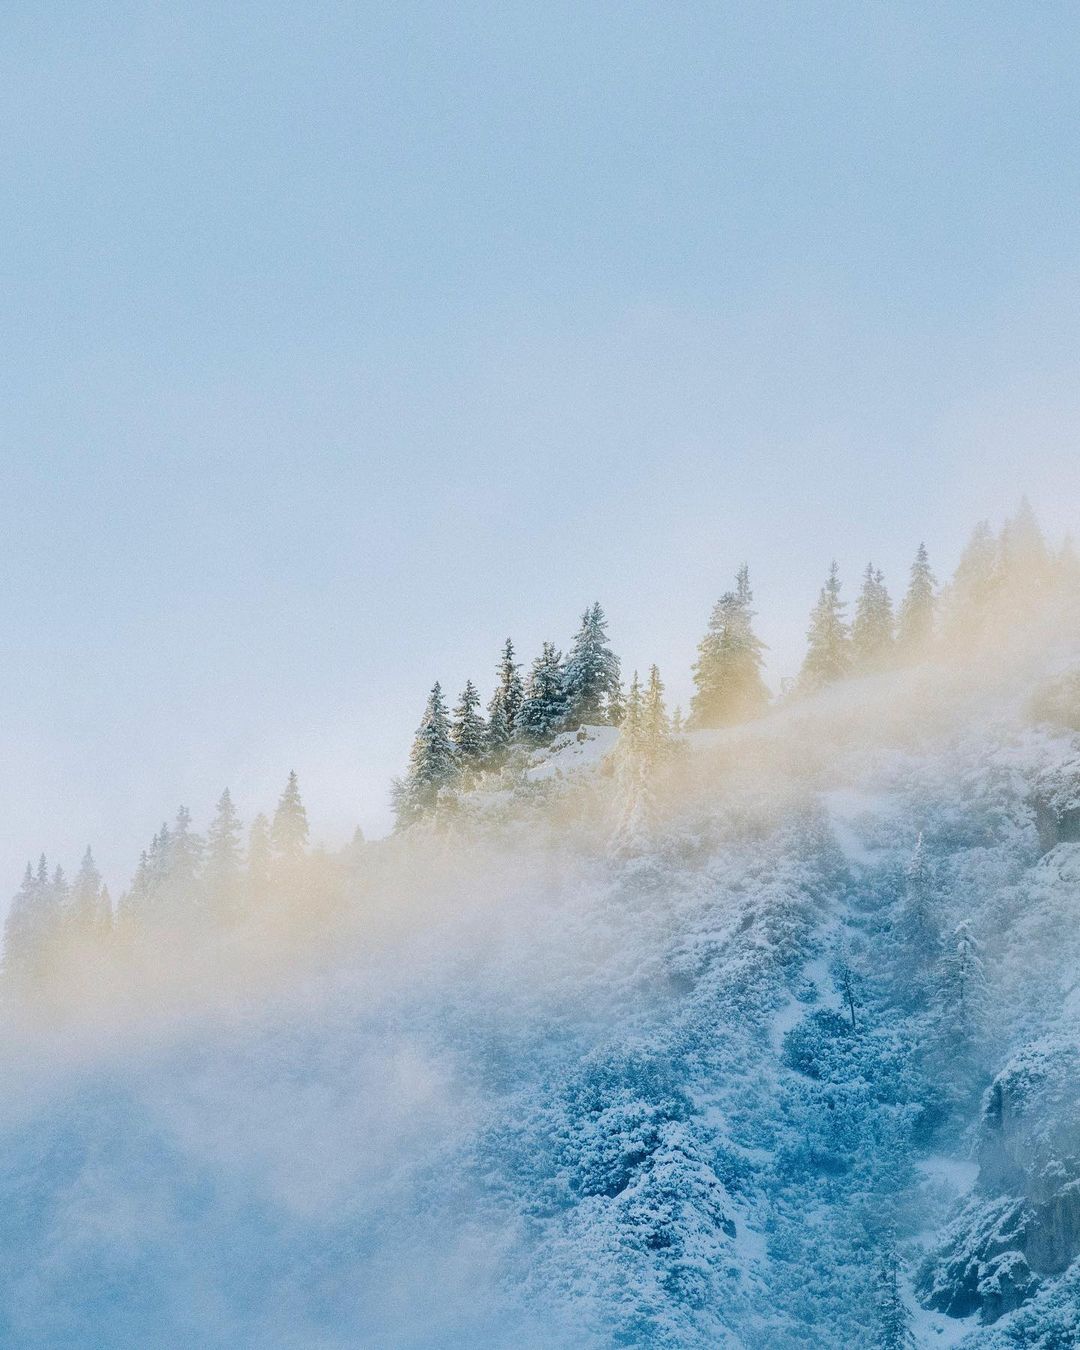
column 550, row 1082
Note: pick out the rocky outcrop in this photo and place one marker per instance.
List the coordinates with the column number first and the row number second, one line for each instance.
column 1022, row 1225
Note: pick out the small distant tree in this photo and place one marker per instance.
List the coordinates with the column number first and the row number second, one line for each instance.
column 872, row 633
column 468, row 731
column 616, row 707
column 89, row 912
column 915, row 629
column 974, row 587
column 30, row 928
column 656, row 727
column 224, row 857
column 591, row 677
column 543, row 710
column 727, row 675
column 847, row 981
column 632, row 730
column 918, row 927
column 828, row 655
column 289, row 830
column 962, row 981
column 892, row 1323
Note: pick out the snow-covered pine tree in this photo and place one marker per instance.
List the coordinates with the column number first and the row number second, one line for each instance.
column 223, row 876
column 632, row 729
column 591, row 677
column 727, row 674
column 872, row 633
column 289, row 830
column 963, row 981
column 468, row 730
column 498, row 734
column 847, row 982
column 509, row 689
column 433, row 764
column 915, row 628
column 633, row 798
column 616, row 707
column 656, row 727
column 828, row 655
column 543, row 709
column 892, row 1323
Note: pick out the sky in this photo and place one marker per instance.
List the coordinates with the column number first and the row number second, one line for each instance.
column 340, row 341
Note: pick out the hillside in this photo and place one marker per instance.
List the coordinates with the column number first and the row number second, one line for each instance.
column 742, row 1055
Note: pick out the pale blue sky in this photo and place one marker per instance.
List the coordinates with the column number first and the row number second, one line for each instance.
column 341, row 340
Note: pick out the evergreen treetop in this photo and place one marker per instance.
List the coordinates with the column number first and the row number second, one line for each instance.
column 289, row 830
column 727, row 674
column 591, row 680
column 828, row 655
column 543, row 709
column 468, row 730
column 916, row 625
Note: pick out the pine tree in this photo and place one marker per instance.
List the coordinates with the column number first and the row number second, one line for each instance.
column 158, row 861
column 259, row 857
column 963, row 981
column 633, row 798
column 468, row 730
column 289, row 831
column 677, row 721
column 135, row 904
column 29, row 928
column 185, row 857
column 872, row 632
column 88, row 910
column 656, row 728
column 847, row 984
column 224, row 870
column 892, row 1328
column 499, row 733
column 915, row 629
column 433, row 765
column 727, row 674
column 828, row 656
column 60, row 894
column 632, row 730
column 509, row 689
column 616, row 707
column 592, row 672
column 974, row 586
column 543, row 709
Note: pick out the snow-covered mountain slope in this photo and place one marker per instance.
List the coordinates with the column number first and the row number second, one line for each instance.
column 698, row 1061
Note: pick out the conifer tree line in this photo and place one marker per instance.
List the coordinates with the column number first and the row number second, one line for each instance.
column 216, row 875
column 223, row 875
column 454, row 747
